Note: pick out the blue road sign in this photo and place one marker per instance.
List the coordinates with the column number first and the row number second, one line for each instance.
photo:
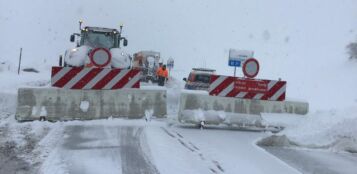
column 170, row 63
column 236, row 63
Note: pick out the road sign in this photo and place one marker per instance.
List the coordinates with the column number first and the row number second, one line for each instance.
column 236, row 63
column 100, row 57
column 170, row 63
column 251, row 68
column 237, row 57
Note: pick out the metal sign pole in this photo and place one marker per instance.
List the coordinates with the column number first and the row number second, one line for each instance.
column 235, row 80
column 169, row 72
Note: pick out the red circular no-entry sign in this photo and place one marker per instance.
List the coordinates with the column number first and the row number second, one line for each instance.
column 100, row 57
column 250, row 68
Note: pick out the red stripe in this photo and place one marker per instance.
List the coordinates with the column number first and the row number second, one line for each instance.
column 213, row 78
column 87, row 78
column 273, row 90
column 123, row 81
column 135, row 71
column 55, row 70
column 226, row 82
column 265, row 96
column 276, row 88
column 67, row 77
column 133, row 74
column 281, row 97
column 250, row 95
column 106, row 79
column 233, row 93
column 137, row 84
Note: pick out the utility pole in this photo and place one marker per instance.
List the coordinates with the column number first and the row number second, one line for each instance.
column 18, row 69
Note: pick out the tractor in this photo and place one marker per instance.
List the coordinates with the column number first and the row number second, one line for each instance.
column 97, row 47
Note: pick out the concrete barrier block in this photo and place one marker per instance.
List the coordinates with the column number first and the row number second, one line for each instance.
column 66, row 104
column 190, row 102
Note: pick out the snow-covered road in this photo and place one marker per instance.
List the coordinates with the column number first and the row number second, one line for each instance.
column 218, row 151
column 104, row 149
column 135, row 146
column 317, row 161
column 154, row 147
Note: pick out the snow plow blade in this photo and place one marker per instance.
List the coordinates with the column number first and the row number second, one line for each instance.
column 56, row 104
column 197, row 107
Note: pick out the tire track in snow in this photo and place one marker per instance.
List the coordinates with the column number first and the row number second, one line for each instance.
column 134, row 159
column 217, row 167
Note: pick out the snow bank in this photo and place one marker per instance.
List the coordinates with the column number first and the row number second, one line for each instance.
column 334, row 130
column 7, row 103
column 11, row 81
column 6, row 66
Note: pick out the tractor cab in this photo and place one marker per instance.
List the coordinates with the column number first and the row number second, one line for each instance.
column 97, row 37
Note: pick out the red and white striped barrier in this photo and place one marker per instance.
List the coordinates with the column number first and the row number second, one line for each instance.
column 228, row 86
column 94, row 78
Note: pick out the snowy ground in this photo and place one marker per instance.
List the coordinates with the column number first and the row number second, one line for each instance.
column 316, row 161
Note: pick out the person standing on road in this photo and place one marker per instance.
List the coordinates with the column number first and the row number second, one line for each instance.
column 162, row 74
column 157, row 70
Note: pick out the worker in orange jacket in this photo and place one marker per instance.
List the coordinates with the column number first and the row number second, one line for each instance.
column 162, row 74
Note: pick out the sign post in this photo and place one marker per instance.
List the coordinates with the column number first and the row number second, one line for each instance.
column 170, row 64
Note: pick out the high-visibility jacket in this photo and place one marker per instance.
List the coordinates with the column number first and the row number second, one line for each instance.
column 162, row 73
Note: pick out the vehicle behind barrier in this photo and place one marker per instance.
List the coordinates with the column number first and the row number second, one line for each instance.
column 199, row 79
